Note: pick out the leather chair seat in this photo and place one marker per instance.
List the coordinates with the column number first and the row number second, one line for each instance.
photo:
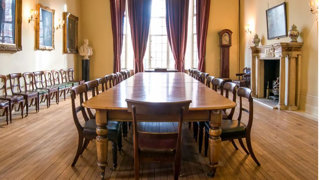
column 4, row 103
column 68, row 84
column 113, row 129
column 231, row 128
column 42, row 91
column 29, row 93
column 147, row 143
column 53, row 88
column 13, row 98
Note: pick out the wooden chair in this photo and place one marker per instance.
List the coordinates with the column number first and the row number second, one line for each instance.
column 92, row 86
column 29, row 84
column 29, row 96
column 87, row 132
column 203, row 76
column 50, row 84
column 124, row 74
column 244, row 78
column 227, row 88
column 109, row 79
column 103, row 83
column 209, row 81
column 65, row 80
column 119, row 77
column 114, row 79
column 13, row 99
column 5, row 106
column 128, row 73
column 41, row 87
column 63, row 89
column 235, row 129
column 160, row 70
column 70, row 72
column 162, row 144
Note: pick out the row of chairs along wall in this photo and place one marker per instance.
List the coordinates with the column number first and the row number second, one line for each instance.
column 20, row 91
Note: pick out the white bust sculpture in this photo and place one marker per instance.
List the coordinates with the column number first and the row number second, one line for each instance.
column 85, row 50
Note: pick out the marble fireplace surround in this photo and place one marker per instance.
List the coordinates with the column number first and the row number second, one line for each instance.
column 289, row 54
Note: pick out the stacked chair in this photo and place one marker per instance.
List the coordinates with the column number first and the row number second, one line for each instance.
column 231, row 129
column 31, row 88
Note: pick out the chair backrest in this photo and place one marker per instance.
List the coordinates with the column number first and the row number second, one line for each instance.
column 77, row 107
column 28, row 78
column 109, row 79
column 245, row 93
column 103, row 82
column 55, row 77
column 247, row 70
column 167, row 111
column 3, row 85
column 70, row 74
column 63, row 75
column 39, row 79
column 230, row 87
column 114, row 79
column 15, row 83
column 209, row 81
column 203, row 76
column 49, row 78
column 217, row 84
column 128, row 73
column 119, row 77
column 160, row 70
column 124, row 74
column 92, row 86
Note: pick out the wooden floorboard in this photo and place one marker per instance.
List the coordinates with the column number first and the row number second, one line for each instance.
column 43, row 145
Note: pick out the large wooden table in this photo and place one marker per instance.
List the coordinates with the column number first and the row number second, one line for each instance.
column 160, row 87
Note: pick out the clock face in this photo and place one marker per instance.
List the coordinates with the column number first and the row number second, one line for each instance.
column 225, row 39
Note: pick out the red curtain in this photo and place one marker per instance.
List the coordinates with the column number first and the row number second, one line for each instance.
column 177, row 29
column 117, row 8
column 202, row 9
column 139, row 18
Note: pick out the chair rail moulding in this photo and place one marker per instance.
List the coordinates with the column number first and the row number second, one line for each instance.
column 289, row 55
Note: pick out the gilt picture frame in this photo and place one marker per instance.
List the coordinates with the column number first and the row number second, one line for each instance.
column 44, row 28
column 277, row 21
column 10, row 25
column 70, row 33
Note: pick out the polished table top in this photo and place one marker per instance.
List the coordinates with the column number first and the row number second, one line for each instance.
column 160, row 87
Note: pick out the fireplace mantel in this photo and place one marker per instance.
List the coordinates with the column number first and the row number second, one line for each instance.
column 289, row 55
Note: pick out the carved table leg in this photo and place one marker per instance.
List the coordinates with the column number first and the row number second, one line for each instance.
column 214, row 141
column 102, row 140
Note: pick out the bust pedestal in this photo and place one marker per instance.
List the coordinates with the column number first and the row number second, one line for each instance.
column 85, row 69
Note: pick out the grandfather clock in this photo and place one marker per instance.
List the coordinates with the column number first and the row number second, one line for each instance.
column 225, row 37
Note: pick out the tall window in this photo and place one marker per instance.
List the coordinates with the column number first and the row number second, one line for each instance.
column 127, row 57
column 191, row 58
column 158, row 53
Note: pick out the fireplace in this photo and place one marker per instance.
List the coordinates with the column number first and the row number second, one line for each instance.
column 278, row 65
column 271, row 79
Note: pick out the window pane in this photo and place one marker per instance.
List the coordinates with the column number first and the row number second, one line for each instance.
column 158, row 52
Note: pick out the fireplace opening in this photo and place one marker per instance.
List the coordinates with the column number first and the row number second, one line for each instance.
column 271, row 79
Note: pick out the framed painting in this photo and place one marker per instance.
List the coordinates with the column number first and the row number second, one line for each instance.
column 277, row 21
column 44, row 28
column 70, row 33
column 10, row 25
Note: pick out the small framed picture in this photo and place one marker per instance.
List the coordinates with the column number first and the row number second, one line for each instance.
column 45, row 28
column 10, row 25
column 70, row 33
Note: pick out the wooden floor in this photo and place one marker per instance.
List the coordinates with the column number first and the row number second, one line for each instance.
column 42, row 146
